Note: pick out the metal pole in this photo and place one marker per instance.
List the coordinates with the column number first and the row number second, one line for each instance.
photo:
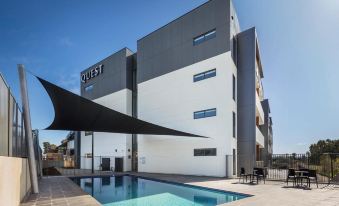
column 92, row 152
column 28, row 128
column 332, row 173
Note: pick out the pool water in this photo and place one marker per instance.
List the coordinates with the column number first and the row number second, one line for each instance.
column 130, row 190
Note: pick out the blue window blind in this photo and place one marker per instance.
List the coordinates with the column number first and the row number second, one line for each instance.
column 205, row 152
column 205, row 113
column 204, row 37
column 89, row 88
column 204, row 75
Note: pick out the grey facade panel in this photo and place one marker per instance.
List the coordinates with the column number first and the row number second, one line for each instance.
column 171, row 47
column 266, row 131
column 117, row 75
column 246, row 100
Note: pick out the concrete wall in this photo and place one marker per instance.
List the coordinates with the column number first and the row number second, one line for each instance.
column 110, row 144
column 170, row 100
column 171, row 47
column 14, row 180
column 246, row 99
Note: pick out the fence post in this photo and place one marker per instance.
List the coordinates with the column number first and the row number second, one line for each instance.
column 332, row 175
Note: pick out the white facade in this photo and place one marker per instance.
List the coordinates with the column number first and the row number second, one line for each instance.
column 109, row 144
column 170, row 100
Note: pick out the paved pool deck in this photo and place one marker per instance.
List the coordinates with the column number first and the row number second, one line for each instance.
column 62, row 191
column 59, row 191
column 273, row 193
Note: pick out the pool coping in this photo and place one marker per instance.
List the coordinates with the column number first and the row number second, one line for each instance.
column 170, row 182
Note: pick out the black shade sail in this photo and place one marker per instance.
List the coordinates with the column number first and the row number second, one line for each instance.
column 76, row 113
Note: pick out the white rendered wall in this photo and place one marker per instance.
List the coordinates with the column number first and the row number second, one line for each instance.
column 170, row 100
column 109, row 144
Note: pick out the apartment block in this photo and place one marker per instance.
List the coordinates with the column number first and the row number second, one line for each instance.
column 200, row 74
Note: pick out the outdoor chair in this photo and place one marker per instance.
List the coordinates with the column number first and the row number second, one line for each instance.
column 312, row 174
column 259, row 174
column 291, row 175
column 301, row 178
column 244, row 175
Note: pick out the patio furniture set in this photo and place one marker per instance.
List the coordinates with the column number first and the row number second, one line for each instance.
column 257, row 173
column 296, row 176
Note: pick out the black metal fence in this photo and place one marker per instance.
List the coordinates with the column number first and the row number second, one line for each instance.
column 73, row 166
column 327, row 166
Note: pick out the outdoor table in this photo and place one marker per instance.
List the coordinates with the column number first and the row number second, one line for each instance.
column 300, row 174
column 252, row 175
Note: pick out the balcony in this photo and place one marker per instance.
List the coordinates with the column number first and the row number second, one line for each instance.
column 259, row 137
column 259, row 112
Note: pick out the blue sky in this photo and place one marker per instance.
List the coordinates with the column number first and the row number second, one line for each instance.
column 299, row 42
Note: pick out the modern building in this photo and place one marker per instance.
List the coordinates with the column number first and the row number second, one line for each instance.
column 110, row 83
column 199, row 74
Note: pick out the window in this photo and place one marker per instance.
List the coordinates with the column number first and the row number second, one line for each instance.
column 234, row 87
column 204, row 75
column 89, row 88
column 204, row 37
column 234, row 49
column 205, row 152
column 234, row 162
column 234, row 125
column 205, row 113
column 88, row 133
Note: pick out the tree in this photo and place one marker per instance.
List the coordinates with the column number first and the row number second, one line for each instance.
column 46, row 146
column 323, row 146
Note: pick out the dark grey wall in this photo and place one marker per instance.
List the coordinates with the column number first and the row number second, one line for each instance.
column 171, row 47
column 246, row 99
column 77, row 149
column 117, row 75
column 265, row 129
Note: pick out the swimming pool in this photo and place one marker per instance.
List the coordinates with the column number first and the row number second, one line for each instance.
column 131, row 190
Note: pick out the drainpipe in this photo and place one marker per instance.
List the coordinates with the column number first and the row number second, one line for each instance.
column 28, row 128
column 92, row 152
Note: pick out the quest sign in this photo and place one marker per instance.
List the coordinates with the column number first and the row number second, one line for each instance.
column 90, row 74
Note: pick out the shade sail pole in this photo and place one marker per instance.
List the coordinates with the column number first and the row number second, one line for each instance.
column 28, row 128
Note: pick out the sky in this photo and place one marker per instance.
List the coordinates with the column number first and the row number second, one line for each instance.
column 299, row 43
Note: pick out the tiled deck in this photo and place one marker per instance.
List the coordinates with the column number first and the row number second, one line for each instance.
column 270, row 194
column 59, row 191
column 62, row 191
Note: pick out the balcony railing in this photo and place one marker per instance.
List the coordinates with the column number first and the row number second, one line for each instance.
column 259, row 137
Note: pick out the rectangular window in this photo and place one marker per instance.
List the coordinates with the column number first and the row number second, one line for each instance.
column 234, row 162
column 88, row 133
column 234, row 87
column 89, row 88
column 204, row 37
column 205, row 152
column 234, row 125
column 205, row 75
column 234, row 49
column 205, row 113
